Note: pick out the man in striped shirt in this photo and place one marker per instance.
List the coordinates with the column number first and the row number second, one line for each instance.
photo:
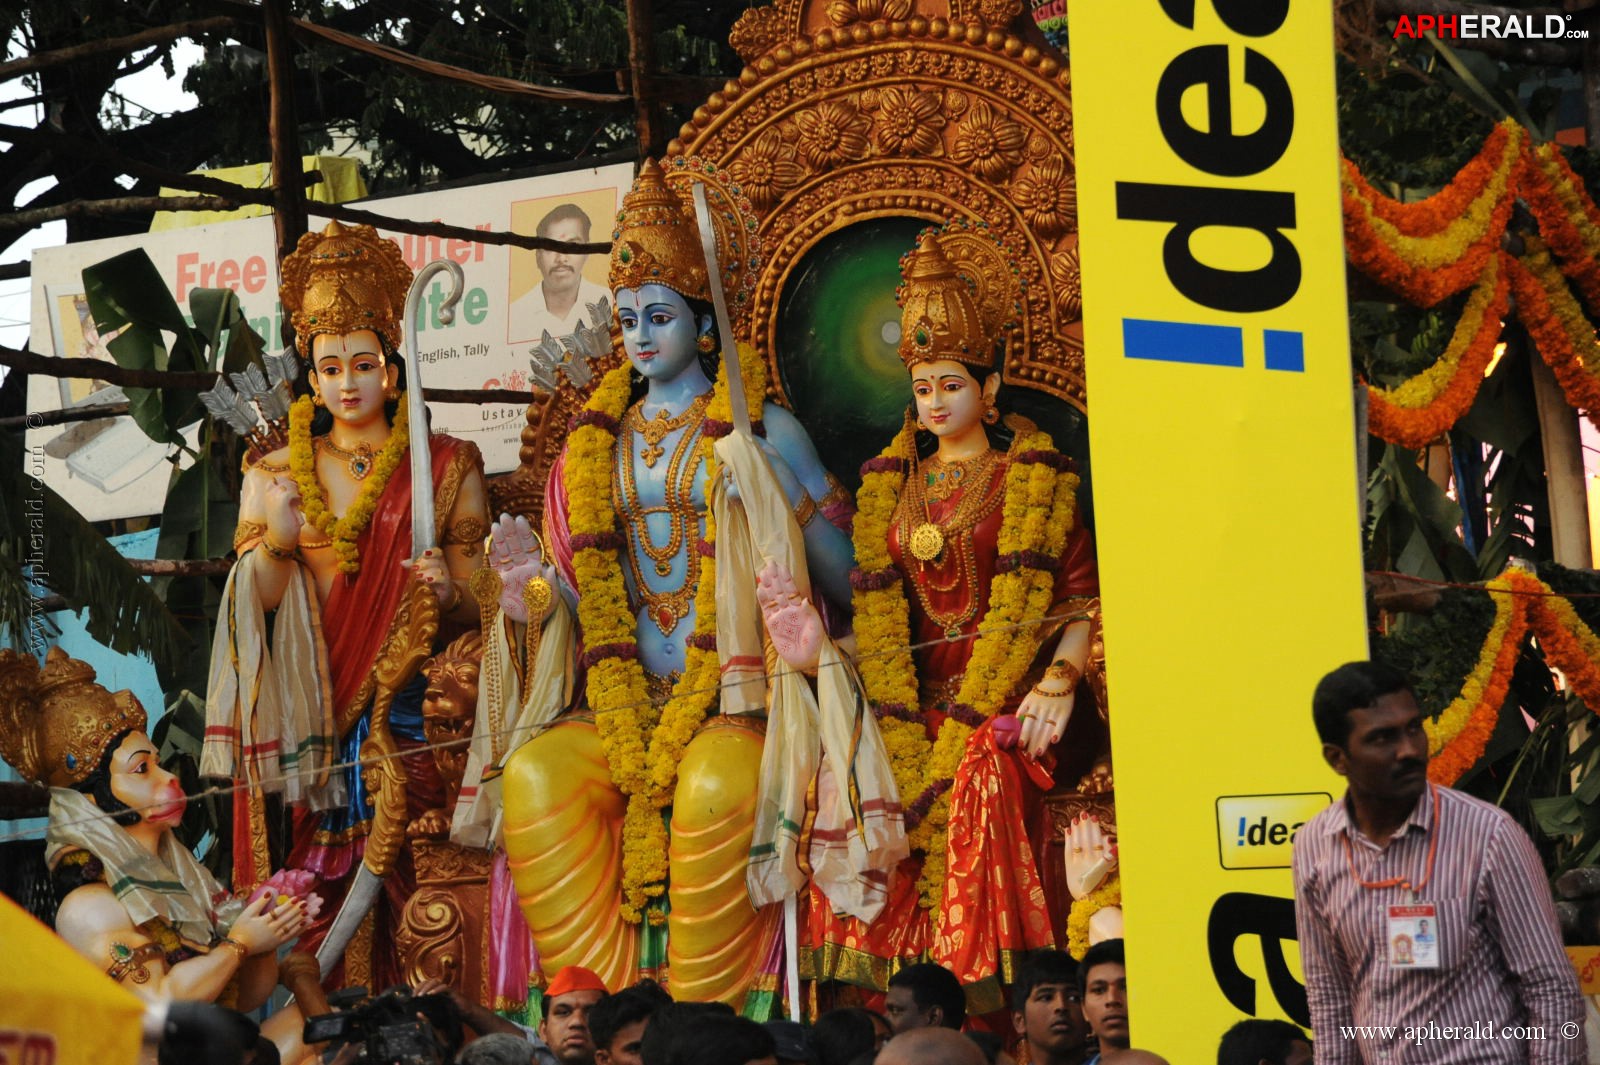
column 1484, row 979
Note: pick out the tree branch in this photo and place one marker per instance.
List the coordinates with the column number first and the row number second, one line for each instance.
column 95, row 369
column 131, row 43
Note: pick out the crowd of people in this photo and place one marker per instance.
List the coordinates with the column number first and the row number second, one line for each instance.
column 1063, row 1012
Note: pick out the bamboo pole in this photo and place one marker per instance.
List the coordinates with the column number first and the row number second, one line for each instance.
column 1563, row 463
column 288, row 187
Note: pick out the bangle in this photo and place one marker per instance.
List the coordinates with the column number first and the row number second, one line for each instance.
column 282, row 554
column 1038, row 689
column 1061, row 669
column 455, row 598
column 805, row 510
column 241, row 952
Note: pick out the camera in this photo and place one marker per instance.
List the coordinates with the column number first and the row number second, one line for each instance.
column 395, row 1028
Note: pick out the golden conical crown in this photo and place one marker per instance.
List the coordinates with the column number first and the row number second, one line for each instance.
column 344, row 279
column 958, row 296
column 657, row 239
column 56, row 722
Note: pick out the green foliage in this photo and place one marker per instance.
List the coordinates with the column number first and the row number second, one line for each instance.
column 70, row 558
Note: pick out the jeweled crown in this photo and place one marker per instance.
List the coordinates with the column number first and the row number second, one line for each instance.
column 344, row 279
column 958, row 296
column 56, row 722
column 657, row 239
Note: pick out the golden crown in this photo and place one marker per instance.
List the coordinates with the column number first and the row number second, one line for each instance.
column 56, row 723
column 657, row 240
column 958, row 296
column 344, row 279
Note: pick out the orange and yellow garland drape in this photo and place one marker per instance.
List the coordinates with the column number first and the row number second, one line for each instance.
column 1434, row 248
column 1523, row 604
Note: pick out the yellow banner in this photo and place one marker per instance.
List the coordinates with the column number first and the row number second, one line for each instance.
column 1224, row 453
column 55, row 1007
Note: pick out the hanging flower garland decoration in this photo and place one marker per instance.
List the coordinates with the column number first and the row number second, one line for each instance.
column 1417, row 411
column 1038, row 509
column 1568, row 218
column 347, row 530
column 1427, row 268
column 1108, row 893
column 643, row 744
column 1560, row 330
column 1458, row 736
column 1569, row 644
column 1426, row 217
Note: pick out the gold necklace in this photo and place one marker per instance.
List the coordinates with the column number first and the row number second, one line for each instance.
column 927, row 540
column 976, row 504
column 359, row 461
column 665, row 609
column 654, row 430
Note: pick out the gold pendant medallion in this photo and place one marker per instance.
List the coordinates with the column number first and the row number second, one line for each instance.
column 927, row 541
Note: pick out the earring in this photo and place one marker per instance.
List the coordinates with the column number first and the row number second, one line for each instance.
column 316, row 399
column 391, row 393
column 991, row 414
column 706, row 343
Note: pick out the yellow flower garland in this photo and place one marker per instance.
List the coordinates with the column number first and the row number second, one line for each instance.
column 347, row 530
column 1444, row 729
column 645, row 772
column 1448, row 245
column 1109, row 893
column 1037, row 513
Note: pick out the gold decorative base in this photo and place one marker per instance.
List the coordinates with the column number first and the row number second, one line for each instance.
column 444, row 928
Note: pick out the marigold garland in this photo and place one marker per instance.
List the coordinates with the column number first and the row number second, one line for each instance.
column 644, row 771
column 1567, row 216
column 1109, row 893
column 1421, row 408
column 1457, row 737
column 1426, row 217
column 347, row 530
column 1038, row 509
column 1427, row 268
column 1560, row 330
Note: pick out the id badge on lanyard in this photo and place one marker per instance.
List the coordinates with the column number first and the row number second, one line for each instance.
column 1412, row 933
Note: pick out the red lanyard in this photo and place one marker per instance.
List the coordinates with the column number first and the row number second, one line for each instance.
column 1400, row 881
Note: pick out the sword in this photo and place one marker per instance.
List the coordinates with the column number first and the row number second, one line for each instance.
column 719, row 301
column 364, row 888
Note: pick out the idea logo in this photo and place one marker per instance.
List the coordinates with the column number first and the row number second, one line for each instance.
column 1257, row 831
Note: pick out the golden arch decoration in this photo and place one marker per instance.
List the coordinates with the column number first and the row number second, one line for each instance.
column 927, row 118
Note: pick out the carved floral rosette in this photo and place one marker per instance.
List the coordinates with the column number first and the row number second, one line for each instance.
column 918, row 117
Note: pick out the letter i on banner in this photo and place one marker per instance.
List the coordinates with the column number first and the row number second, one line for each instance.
column 1222, row 432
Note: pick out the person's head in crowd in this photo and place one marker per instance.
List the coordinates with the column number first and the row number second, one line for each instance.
column 653, row 991
column 496, row 1048
column 617, row 1024
column 572, row 993
column 722, row 1039
column 930, row 1046
column 1047, row 1011
column 993, row 1048
column 793, row 1042
column 1371, row 731
column 1257, row 1042
column 1103, row 988
column 670, row 1036
column 841, row 1035
column 925, row 995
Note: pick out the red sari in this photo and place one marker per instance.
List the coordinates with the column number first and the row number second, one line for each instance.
column 994, row 906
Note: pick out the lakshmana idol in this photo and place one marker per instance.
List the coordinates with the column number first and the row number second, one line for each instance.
column 671, row 720
column 324, row 541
